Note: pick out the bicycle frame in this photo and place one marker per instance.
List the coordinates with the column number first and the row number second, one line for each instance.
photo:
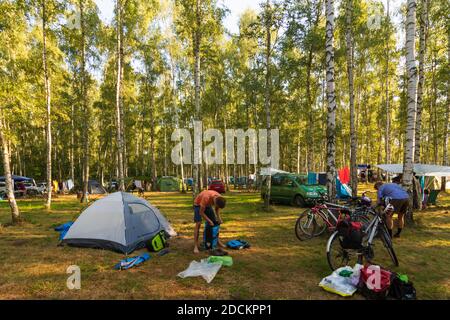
column 324, row 211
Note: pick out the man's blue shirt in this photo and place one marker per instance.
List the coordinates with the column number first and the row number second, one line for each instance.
column 393, row 191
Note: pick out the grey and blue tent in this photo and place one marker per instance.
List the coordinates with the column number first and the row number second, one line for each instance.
column 120, row 222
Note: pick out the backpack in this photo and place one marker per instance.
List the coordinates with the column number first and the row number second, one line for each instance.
column 368, row 285
column 157, row 243
column 351, row 232
column 401, row 289
column 211, row 236
column 238, row 244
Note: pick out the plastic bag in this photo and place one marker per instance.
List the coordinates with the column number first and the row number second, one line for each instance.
column 227, row 261
column 342, row 285
column 204, row 269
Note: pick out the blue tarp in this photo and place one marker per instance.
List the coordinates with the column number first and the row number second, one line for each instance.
column 62, row 229
column 342, row 191
column 131, row 262
column 17, row 178
column 312, row 178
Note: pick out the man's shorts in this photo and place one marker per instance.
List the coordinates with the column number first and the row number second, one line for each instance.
column 209, row 212
column 400, row 205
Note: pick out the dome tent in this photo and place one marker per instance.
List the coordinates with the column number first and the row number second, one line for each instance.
column 120, row 222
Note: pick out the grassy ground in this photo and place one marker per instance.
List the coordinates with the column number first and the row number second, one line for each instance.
column 278, row 266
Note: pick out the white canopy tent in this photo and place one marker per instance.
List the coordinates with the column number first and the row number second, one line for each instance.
column 428, row 170
column 270, row 171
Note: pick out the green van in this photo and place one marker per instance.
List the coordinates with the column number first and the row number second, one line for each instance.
column 293, row 189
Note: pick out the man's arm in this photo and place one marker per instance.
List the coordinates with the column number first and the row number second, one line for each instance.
column 217, row 210
column 204, row 216
column 379, row 195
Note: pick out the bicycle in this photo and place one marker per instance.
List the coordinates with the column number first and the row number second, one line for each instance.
column 314, row 221
column 376, row 229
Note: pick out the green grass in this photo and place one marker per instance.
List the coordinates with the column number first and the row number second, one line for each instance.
column 278, row 266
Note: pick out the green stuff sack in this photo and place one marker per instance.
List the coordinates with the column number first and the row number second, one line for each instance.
column 226, row 260
column 157, row 243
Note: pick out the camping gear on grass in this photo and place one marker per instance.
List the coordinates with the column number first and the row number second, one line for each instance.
column 131, row 262
column 374, row 282
column 210, row 236
column 237, row 244
column 168, row 184
column 401, row 288
column 227, row 261
column 342, row 281
column 157, row 243
column 202, row 269
column 351, row 232
column 62, row 229
column 120, row 222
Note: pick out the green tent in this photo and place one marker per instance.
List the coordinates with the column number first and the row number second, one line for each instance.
column 168, row 183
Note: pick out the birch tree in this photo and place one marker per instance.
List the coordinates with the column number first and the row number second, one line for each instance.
column 353, row 138
column 119, row 112
column 408, row 155
column 331, row 99
column 44, row 16
column 423, row 31
column 9, row 184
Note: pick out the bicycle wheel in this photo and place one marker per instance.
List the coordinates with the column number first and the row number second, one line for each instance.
column 304, row 227
column 337, row 256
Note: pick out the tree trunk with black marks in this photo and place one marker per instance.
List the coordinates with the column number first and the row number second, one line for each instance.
column 6, row 156
column 120, row 143
column 423, row 33
column 408, row 155
column 353, row 137
column 48, row 107
column 331, row 99
column 85, row 104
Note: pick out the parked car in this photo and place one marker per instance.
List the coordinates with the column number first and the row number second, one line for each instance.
column 292, row 189
column 217, row 185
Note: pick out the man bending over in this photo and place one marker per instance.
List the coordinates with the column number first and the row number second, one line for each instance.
column 203, row 209
column 400, row 201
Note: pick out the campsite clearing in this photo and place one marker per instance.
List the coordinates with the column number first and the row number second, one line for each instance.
column 278, row 266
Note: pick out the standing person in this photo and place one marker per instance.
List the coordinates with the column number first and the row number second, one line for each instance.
column 400, row 201
column 203, row 209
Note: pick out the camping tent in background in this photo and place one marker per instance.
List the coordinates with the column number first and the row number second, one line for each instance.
column 268, row 171
column 427, row 175
column 168, row 184
column 95, row 188
column 19, row 179
column 120, row 222
column 419, row 169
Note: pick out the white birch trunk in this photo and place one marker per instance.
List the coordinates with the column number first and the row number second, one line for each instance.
column 408, row 156
column 118, row 98
column 15, row 213
column 48, row 107
column 197, row 39
column 423, row 32
column 331, row 98
column 353, row 137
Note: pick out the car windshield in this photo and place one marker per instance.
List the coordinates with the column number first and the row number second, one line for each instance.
column 301, row 180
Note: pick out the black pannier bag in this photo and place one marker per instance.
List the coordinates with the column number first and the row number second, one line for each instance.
column 401, row 290
column 351, row 233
